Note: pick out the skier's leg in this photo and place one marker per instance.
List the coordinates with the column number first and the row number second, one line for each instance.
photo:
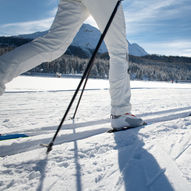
column 117, row 46
column 69, row 17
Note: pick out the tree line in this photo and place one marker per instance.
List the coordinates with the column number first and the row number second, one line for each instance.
column 74, row 61
column 143, row 69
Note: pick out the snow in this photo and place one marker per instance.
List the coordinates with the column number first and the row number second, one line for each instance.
column 151, row 158
column 88, row 37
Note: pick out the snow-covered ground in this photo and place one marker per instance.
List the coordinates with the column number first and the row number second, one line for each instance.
column 154, row 158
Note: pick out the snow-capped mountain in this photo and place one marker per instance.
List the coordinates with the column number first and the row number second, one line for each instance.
column 136, row 50
column 87, row 39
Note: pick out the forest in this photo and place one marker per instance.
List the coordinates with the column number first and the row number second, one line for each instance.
column 149, row 67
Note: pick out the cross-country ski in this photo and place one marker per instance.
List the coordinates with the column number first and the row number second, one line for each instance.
column 11, row 136
column 113, row 130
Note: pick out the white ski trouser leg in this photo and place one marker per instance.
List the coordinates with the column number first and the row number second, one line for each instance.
column 118, row 50
column 70, row 16
column 68, row 20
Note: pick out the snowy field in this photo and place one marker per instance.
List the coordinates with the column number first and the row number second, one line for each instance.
column 86, row 158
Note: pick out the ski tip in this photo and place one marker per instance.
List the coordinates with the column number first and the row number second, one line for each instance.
column 12, row 136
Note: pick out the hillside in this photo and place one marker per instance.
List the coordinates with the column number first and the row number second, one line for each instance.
column 148, row 67
column 142, row 68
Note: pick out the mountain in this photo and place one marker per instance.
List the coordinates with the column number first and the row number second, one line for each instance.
column 87, row 39
column 136, row 50
column 33, row 35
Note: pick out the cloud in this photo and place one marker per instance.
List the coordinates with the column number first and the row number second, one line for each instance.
column 149, row 12
column 52, row 13
column 50, row 2
column 161, row 27
column 176, row 48
column 34, row 26
column 148, row 9
column 26, row 27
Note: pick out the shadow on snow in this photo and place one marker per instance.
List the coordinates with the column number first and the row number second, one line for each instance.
column 139, row 169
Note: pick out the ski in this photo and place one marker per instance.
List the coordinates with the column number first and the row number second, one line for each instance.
column 113, row 130
column 4, row 137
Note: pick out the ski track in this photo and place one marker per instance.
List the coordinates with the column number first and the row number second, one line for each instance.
column 151, row 158
column 147, row 116
column 33, row 142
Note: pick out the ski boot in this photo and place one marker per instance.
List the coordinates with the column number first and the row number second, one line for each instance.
column 126, row 121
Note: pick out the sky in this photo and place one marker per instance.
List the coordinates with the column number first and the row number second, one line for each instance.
column 160, row 27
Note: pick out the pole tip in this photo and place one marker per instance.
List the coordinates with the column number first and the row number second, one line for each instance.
column 49, row 148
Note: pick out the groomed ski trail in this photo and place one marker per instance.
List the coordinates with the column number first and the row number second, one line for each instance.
column 82, row 130
column 150, row 118
column 11, row 147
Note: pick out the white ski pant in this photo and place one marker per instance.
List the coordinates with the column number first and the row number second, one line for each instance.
column 68, row 20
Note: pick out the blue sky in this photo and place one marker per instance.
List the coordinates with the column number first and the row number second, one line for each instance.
column 160, row 26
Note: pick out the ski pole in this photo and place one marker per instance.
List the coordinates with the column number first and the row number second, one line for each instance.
column 95, row 52
column 85, row 76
